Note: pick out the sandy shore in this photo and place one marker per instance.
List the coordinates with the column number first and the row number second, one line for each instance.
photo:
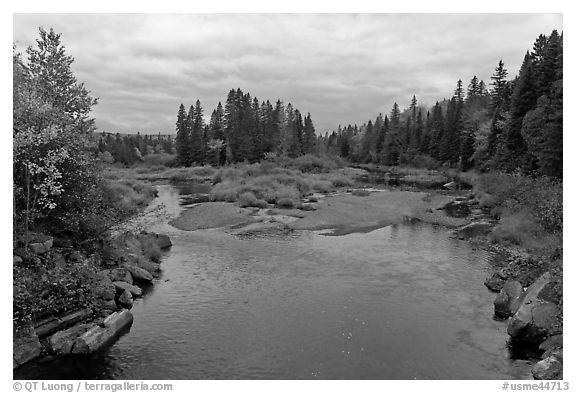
column 341, row 212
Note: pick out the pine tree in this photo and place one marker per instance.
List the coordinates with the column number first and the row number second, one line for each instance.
column 182, row 136
column 309, row 137
column 512, row 146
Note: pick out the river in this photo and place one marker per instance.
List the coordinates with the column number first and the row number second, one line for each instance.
column 401, row 302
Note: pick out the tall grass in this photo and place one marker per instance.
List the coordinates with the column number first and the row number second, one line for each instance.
column 267, row 182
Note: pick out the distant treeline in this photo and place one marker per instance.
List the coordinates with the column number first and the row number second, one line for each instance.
column 129, row 149
column 242, row 130
column 516, row 125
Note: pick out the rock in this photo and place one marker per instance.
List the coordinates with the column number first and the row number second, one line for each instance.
column 62, row 342
column 549, row 368
column 16, row 259
column 309, row 207
column 457, row 209
column 451, row 186
column 47, row 327
column 104, row 288
column 100, row 336
column 122, row 286
column 26, row 346
column 536, row 318
column 126, row 300
column 495, row 283
column 108, row 305
column 508, row 300
column 551, row 343
column 139, row 274
column 474, row 229
column 151, row 267
column 41, row 247
column 121, row 274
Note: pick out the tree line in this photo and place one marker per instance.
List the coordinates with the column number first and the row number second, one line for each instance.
column 129, row 149
column 242, row 130
column 516, row 125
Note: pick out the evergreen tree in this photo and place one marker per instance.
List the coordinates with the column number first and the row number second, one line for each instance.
column 182, row 136
column 309, row 137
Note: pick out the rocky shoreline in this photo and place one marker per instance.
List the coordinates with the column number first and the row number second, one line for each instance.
column 527, row 292
column 132, row 264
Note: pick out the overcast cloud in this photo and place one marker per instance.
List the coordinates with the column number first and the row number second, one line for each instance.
column 341, row 68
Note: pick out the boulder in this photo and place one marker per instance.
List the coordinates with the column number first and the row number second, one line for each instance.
column 451, row 186
column 122, row 286
column 26, row 347
column 41, row 247
column 495, row 283
column 508, row 300
column 535, row 319
column 309, row 207
column 62, row 342
column 104, row 288
column 550, row 367
column 126, row 300
column 120, row 274
column 49, row 326
column 139, row 274
column 100, row 336
column 457, row 209
column 478, row 228
column 16, row 259
column 107, row 305
column 551, row 343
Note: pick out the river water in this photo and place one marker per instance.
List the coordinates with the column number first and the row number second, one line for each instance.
column 401, row 302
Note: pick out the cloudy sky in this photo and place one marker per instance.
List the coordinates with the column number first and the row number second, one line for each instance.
column 341, row 68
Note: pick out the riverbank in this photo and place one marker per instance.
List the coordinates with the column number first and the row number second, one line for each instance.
column 476, row 215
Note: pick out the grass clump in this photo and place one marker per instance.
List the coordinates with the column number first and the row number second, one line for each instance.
column 360, row 192
column 248, row 199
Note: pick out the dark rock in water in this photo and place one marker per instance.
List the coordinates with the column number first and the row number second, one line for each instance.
column 508, row 300
column 120, row 274
column 62, row 342
column 495, row 283
column 139, row 274
column 458, row 209
column 126, row 300
column 26, row 346
column 410, row 220
column 44, row 328
column 100, row 336
column 122, row 286
column 474, row 229
column 549, row 368
column 535, row 319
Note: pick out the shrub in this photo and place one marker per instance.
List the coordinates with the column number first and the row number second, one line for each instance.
column 360, row 192
column 285, row 203
column 341, row 181
column 248, row 199
column 322, row 186
column 160, row 160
